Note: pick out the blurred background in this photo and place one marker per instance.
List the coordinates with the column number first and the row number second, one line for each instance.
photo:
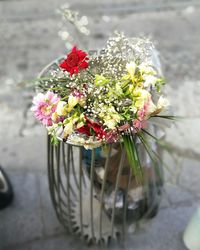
column 32, row 34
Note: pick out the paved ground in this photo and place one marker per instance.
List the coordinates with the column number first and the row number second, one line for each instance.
column 28, row 31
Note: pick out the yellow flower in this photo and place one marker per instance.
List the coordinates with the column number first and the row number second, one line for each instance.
column 55, row 117
column 133, row 108
column 61, row 109
column 79, row 125
column 110, row 123
column 139, row 103
column 141, row 96
column 81, row 101
column 76, row 120
column 80, row 121
column 141, row 93
column 68, row 128
column 111, row 117
column 131, row 67
column 72, row 101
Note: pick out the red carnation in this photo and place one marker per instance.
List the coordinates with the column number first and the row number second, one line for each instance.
column 76, row 60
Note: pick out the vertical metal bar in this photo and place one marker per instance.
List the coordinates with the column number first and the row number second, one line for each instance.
column 91, row 192
column 66, row 165
column 49, row 167
column 73, row 168
column 57, row 152
column 68, row 188
column 58, row 201
column 80, row 190
column 52, row 183
column 103, row 189
column 59, row 205
column 116, row 188
column 83, row 173
column 125, row 203
column 49, row 160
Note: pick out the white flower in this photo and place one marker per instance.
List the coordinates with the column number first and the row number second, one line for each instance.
column 150, row 80
column 162, row 103
column 151, row 107
column 146, row 68
column 131, row 67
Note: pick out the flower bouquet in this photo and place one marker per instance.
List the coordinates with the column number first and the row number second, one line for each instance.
column 110, row 98
column 107, row 97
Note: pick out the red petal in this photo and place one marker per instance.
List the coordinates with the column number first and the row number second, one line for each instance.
column 84, row 130
column 83, row 65
column 65, row 66
column 76, row 70
column 82, row 54
column 74, row 49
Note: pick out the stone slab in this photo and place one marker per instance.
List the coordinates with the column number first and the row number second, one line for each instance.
column 24, row 152
column 50, row 222
column 165, row 232
column 190, row 176
column 22, row 221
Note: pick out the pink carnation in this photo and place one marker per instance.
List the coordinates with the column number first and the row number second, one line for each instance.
column 44, row 105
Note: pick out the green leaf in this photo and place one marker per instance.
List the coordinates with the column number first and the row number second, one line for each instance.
column 54, row 140
column 169, row 117
column 160, row 82
column 133, row 157
column 101, row 80
column 152, row 154
column 161, row 142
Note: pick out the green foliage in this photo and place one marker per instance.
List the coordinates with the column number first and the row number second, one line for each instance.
column 159, row 84
column 133, row 157
column 54, row 140
column 101, row 80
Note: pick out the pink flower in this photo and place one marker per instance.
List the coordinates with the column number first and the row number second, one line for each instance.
column 44, row 105
column 124, row 127
column 141, row 114
column 140, row 122
column 112, row 136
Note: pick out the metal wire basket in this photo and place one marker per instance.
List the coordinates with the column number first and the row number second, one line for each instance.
column 95, row 193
